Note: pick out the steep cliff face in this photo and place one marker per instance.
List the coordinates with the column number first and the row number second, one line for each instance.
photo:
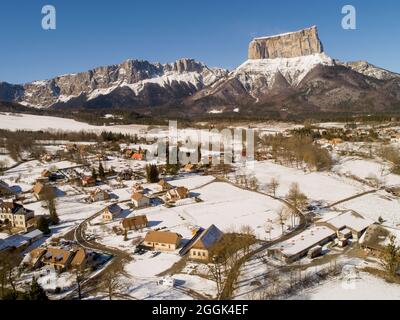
column 289, row 45
column 10, row 92
column 291, row 73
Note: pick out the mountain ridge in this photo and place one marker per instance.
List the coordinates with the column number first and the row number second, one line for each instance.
column 298, row 76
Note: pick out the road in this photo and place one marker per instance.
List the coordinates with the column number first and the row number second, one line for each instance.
column 118, row 256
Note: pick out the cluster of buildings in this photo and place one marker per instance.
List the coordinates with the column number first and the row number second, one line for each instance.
column 338, row 227
column 197, row 248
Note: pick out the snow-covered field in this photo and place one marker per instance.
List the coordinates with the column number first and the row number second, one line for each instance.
column 317, row 186
column 365, row 169
column 373, row 206
column 144, row 267
column 192, row 182
column 223, row 205
column 37, row 123
column 26, row 173
column 362, row 287
column 7, row 160
column 11, row 121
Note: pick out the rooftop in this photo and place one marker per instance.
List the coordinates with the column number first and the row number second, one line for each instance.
column 349, row 219
column 208, row 238
column 162, row 237
column 304, row 241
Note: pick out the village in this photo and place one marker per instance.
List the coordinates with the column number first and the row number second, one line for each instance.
column 319, row 204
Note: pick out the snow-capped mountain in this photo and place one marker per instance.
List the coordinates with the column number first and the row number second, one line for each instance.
column 258, row 75
column 292, row 73
column 372, row 71
column 131, row 83
column 288, row 73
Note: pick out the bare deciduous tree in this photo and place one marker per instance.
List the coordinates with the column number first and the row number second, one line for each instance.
column 273, row 186
column 283, row 214
column 295, row 197
column 112, row 283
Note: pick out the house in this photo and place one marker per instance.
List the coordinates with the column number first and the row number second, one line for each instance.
column 88, row 181
column 46, row 157
column 347, row 225
column 5, row 190
column 189, row 168
column 33, row 258
column 80, row 258
column 16, row 215
column 200, row 249
column 135, row 223
column 58, row 258
column 336, row 141
column 299, row 246
column 137, row 156
column 43, row 191
column 111, row 212
column 137, row 187
column 99, row 195
column 178, row 193
column 45, row 173
column 162, row 240
column 377, row 237
column 127, row 153
column 139, row 200
column 163, row 185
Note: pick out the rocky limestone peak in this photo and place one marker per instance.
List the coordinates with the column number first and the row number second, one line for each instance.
column 185, row 65
column 371, row 70
column 288, row 45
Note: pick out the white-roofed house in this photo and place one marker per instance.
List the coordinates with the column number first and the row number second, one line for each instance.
column 298, row 246
column 346, row 224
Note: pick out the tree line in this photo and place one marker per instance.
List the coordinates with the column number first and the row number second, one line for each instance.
column 297, row 150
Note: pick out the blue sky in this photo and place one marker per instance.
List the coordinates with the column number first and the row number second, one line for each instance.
column 93, row 33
